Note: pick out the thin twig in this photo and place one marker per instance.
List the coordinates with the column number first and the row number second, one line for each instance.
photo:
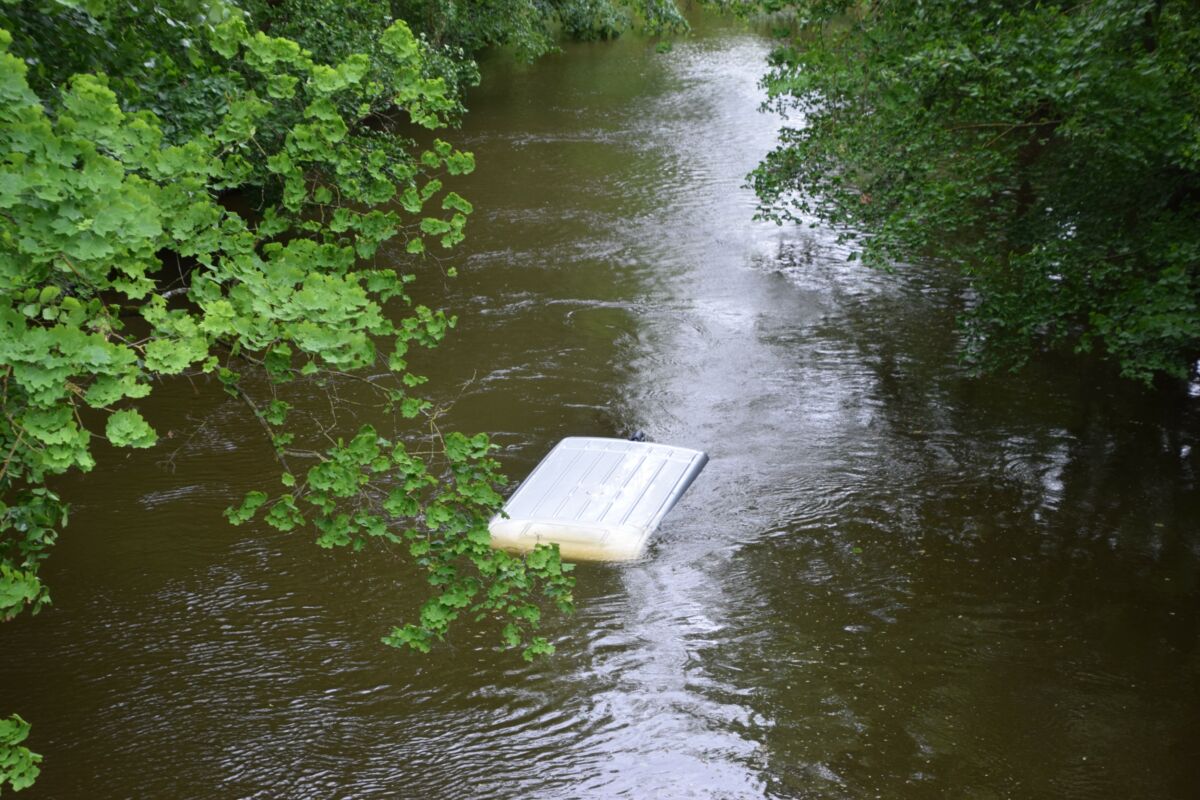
column 1008, row 125
column 11, row 452
column 266, row 425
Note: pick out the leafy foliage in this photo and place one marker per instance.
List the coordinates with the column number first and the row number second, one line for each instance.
column 18, row 766
column 1050, row 150
column 530, row 26
column 451, row 33
column 444, row 513
column 125, row 128
column 121, row 266
column 446, row 525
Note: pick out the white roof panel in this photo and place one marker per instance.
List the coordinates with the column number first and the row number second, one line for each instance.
column 597, row 498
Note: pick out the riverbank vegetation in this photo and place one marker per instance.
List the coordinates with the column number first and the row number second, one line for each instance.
column 235, row 193
column 252, row 195
column 1050, row 151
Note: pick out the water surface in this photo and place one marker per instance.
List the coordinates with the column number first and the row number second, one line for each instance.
column 892, row 580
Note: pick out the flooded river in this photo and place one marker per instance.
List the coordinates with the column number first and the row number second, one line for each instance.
column 892, row 580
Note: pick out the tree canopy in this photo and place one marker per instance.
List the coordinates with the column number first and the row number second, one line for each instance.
column 1049, row 150
column 127, row 133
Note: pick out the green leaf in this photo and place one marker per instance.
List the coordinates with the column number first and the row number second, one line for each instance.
column 173, row 356
column 127, row 428
column 412, row 406
column 276, row 412
column 18, row 765
column 284, row 515
column 400, row 504
column 19, row 589
column 282, row 86
column 245, row 512
column 460, row 164
column 398, row 41
column 453, row 200
column 228, row 36
column 537, row 647
column 434, row 226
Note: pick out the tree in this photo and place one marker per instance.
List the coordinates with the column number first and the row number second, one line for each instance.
column 1051, row 151
column 128, row 132
column 452, row 32
column 124, row 129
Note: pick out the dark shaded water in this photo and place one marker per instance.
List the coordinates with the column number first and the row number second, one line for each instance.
column 891, row 581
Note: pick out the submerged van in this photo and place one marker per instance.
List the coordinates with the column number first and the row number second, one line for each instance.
column 598, row 499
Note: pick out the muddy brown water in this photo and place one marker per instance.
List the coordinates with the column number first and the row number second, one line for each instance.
column 892, row 580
